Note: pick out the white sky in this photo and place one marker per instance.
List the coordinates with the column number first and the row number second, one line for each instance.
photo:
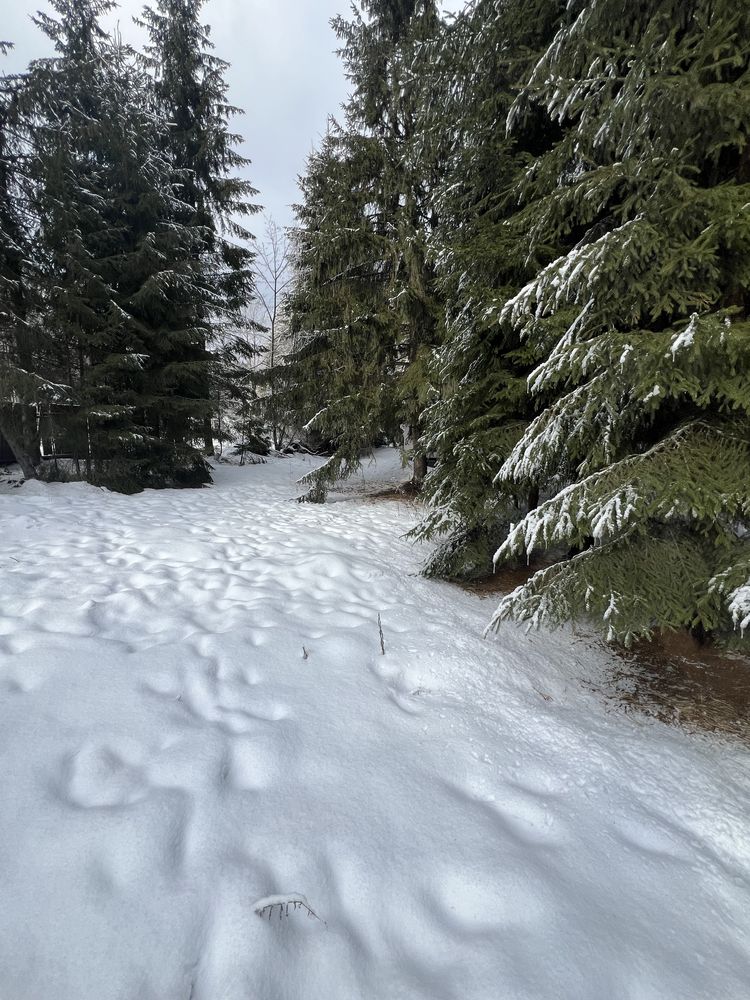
column 284, row 74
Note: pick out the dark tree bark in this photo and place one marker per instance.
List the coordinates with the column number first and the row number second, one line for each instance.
column 18, row 427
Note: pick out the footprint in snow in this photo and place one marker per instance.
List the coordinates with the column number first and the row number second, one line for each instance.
column 407, row 703
column 102, row 776
column 255, row 764
column 227, row 704
column 526, row 817
column 239, row 721
column 649, row 836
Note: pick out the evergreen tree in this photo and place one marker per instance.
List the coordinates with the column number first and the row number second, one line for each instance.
column 339, row 311
column 192, row 93
column 367, row 313
column 642, row 444
column 21, row 385
column 69, row 174
column 239, row 410
column 483, row 405
column 121, row 268
column 157, row 359
column 387, row 55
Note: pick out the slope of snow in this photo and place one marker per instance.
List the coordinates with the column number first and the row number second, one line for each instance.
column 197, row 728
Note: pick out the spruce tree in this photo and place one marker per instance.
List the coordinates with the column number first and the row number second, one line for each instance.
column 642, row 445
column 69, row 178
column 240, row 410
column 363, row 233
column 387, row 56
column 22, row 384
column 192, row 93
column 480, row 371
column 158, row 363
column 120, row 265
column 339, row 313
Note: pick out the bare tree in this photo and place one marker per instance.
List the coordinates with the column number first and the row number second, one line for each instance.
column 274, row 273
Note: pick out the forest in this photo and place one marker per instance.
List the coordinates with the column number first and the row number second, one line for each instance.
column 521, row 253
column 375, row 570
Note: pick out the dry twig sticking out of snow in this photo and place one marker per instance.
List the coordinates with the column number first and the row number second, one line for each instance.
column 269, row 904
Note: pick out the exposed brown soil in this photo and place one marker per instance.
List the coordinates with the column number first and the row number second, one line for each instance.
column 505, row 578
column 675, row 679
column 404, row 493
column 503, row 581
column 672, row 677
column 407, row 489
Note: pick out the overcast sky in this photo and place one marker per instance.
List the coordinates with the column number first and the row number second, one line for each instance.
column 284, row 73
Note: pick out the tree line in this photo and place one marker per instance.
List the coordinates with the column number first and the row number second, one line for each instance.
column 123, row 254
column 524, row 246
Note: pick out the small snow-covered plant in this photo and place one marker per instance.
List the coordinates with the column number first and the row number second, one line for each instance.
column 316, row 494
column 282, row 906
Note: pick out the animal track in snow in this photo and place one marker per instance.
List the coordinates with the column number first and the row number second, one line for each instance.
column 254, row 764
column 250, row 676
column 102, row 776
column 513, row 897
column 23, row 680
column 527, row 818
column 229, row 704
column 163, row 686
column 242, row 720
column 651, row 837
column 406, row 702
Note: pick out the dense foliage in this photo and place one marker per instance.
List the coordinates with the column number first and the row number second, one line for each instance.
column 121, row 259
column 642, row 442
column 365, row 310
column 582, row 338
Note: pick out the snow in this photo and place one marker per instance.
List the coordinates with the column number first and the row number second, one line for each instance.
column 686, row 337
column 197, row 727
column 739, row 607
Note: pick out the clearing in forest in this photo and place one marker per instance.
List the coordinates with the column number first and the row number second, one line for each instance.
column 215, row 785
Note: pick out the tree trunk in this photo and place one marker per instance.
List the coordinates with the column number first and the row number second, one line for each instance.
column 24, row 446
column 420, row 459
column 208, row 436
column 420, row 469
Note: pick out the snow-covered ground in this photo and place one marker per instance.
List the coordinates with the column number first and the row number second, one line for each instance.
column 197, row 724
